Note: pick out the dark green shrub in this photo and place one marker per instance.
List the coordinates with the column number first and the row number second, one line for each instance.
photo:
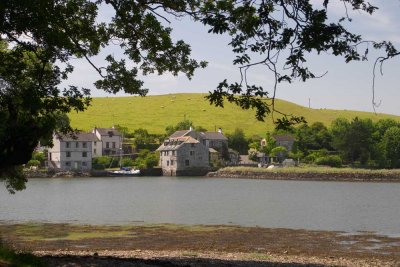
column 9, row 257
column 314, row 155
column 126, row 162
column 33, row 162
column 332, row 161
column 100, row 163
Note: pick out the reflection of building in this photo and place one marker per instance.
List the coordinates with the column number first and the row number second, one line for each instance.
column 72, row 153
column 110, row 140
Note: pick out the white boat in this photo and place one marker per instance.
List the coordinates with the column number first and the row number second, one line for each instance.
column 125, row 171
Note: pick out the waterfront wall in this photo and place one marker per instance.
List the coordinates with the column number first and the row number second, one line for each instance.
column 307, row 176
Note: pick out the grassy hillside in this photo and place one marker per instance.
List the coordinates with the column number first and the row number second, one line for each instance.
column 154, row 113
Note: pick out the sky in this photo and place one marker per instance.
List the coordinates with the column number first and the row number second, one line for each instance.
column 345, row 86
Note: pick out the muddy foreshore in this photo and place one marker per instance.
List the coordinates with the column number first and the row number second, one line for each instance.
column 306, row 176
column 198, row 245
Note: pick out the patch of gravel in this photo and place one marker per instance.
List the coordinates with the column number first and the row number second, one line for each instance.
column 149, row 258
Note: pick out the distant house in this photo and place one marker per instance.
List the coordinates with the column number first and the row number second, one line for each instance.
column 110, row 141
column 285, row 140
column 183, row 155
column 72, row 152
column 214, row 140
column 207, row 146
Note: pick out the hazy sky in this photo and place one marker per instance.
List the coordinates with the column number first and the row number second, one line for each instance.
column 345, row 86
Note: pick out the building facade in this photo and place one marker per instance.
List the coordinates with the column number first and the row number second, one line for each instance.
column 72, row 152
column 110, row 141
column 183, row 156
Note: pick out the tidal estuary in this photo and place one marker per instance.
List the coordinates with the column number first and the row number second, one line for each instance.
column 310, row 205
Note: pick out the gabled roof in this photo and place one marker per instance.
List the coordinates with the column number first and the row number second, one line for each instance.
column 179, row 133
column 108, row 131
column 283, row 137
column 213, row 136
column 190, row 140
column 89, row 137
column 175, row 143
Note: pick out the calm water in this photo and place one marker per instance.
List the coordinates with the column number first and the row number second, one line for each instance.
column 339, row 206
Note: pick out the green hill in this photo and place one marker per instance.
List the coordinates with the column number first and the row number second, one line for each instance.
column 154, row 113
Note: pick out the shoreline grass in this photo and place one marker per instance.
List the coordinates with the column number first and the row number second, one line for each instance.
column 309, row 173
column 313, row 169
column 9, row 257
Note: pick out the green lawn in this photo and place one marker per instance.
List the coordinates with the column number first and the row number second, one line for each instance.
column 154, row 113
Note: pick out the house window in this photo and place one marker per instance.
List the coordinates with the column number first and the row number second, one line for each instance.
column 95, row 143
column 113, row 144
column 95, row 151
column 77, row 144
column 67, row 163
column 173, row 152
column 68, row 154
column 84, row 163
column 84, row 145
column 67, row 144
column 84, row 154
column 192, row 145
column 107, row 145
column 172, row 162
column 187, row 162
column 191, row 153
column 167, row 162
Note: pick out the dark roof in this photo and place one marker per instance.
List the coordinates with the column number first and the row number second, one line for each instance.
column 283, row 137
column 213, row 136
column 108, row 131
column 79, row 137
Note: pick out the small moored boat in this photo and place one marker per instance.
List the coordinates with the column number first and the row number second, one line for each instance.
column 125, row 171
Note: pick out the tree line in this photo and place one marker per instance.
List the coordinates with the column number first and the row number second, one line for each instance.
column 356, row 142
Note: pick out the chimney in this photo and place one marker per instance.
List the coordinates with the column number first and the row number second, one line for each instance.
column 220, row 130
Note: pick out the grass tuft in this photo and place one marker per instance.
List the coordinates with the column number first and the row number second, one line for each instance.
column 9, row 257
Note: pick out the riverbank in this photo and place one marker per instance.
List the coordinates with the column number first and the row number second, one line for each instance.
column 199, row 245
column 44, row 173
column 309, row 174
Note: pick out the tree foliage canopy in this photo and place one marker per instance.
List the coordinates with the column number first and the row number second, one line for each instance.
column 39, row 40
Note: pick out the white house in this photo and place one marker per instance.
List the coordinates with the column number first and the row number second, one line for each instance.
column 72, row 152
column 110, row 142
